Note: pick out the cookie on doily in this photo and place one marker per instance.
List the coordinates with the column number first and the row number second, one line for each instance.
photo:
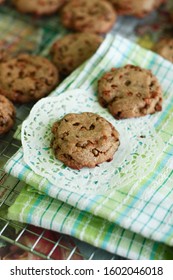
column 164, row 47
column 72, row 50
column 96, row 16
column 130, row 91
column 84, row 140
column 7, row 115
column 27, row 78
column 37, row 7
column 135, row 7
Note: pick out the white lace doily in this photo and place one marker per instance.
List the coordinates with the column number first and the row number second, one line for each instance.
column 136, row 156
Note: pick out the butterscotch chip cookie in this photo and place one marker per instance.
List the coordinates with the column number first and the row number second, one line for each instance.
column 165, row 48
column 27, row 78
column 38, row 7
column 96, row 16
column 84, row 140
column 135, row 7
column 130, row 91
column 7, row 115
column 72, row 50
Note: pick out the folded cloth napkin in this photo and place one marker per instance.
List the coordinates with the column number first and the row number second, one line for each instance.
column 41, row 210
column 141, row 205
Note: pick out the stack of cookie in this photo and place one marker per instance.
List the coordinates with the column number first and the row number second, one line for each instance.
column 84, row 140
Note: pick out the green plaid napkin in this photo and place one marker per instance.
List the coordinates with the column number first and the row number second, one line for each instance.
column 43, row 211
column 142, row 209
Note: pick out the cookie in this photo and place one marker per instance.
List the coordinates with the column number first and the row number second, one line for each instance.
column 7, row 115
column 130, row 91
column 38, row 7
column 165, row 48
column 84, row 140
column 135, row 7
column 73, row 49
column 27, row 78
column 95, row 16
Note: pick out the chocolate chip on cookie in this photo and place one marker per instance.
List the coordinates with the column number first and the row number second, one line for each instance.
column 96, row 16
column 135, row 7
column 7, row 115
column 27, row 78
column 165, row 48
column 84, row 140
column 38, row 7
column 130, row 91
column 72, row 50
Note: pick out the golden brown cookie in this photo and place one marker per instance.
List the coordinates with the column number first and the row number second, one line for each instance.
column 165, row 48
column 130, row 91
column 84, row 140
column 26, row 78
column 96, row 16
column 7, row 115
column 138, row 8
column 72, row 50
column 38, row 7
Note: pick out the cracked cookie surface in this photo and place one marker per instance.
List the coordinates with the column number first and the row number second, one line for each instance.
column 7, row 115
column 84, row 140
column 27, row 78
column 130, row 91
column 88, row 16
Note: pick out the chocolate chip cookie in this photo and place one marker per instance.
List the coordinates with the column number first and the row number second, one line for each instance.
column 96, row 16
column 73, row 49
column 135, row 7
column 38, row 7
column 165, row 48
column 27, row 78
column 7, row 115
column 84, row 140
column 130, row 91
